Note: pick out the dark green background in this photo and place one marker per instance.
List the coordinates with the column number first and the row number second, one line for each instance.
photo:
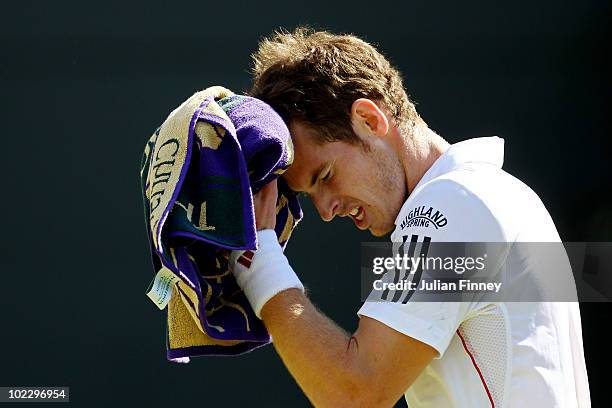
column 83, row 84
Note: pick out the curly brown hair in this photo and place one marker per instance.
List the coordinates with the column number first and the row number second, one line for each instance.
column 315, row 76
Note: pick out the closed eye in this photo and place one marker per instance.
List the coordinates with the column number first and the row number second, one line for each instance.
column 327, row 173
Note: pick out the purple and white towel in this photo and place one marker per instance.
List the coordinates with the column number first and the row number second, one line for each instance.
column 198, row 173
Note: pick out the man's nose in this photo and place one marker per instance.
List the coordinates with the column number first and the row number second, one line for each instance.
column 327, row 205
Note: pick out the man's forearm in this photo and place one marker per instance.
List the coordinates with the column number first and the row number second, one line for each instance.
column 370, row 369
column 321, row 356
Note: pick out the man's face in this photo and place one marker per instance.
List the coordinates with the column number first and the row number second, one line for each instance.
column 347, row 180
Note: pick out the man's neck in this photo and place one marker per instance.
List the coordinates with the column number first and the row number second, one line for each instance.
column 419, row 149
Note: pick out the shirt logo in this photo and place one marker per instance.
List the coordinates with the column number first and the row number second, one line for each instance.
column 424, row 216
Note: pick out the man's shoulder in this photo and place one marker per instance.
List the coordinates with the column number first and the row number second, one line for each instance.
column 466, row 204
column 475, row 181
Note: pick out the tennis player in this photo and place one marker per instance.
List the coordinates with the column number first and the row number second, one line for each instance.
column 362, row 151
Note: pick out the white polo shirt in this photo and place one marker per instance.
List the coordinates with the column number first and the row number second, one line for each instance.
column 501, row 354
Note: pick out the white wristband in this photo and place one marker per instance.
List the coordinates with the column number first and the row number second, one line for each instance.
column 263, row 273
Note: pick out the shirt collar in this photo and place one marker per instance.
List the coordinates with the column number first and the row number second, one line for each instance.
column 485, row 150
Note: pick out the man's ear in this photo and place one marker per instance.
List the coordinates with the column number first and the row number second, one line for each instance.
column 365, row 114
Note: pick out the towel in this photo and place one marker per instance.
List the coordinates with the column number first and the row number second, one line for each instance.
column 198, row 173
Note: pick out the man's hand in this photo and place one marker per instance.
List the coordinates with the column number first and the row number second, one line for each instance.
column 265, row 272
column 265, row 206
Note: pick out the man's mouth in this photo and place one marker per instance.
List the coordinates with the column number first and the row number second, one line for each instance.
column 358, row 215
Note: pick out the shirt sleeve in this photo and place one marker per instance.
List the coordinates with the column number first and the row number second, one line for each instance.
column 441, row 211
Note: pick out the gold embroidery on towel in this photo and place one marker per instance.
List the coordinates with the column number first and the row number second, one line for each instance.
column 281, row 170
column 201, row 225
column 188, row 293
column 219, row 276
column 221, row 329
column 240, row 309
column 212, row 310
column 284, row 236
column 175, row 263
column 182, row 330
column 202, row 222
column 220, row 131
column 207, row 135
column 282, row 201
column 168, row 156
column 208, row 294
